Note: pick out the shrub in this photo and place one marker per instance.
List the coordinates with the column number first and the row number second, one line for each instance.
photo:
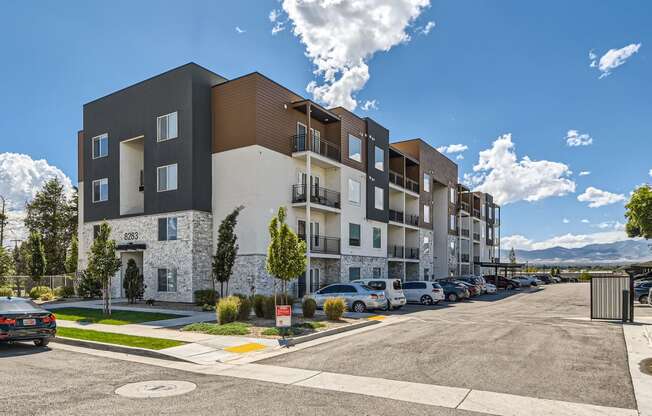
column 47, row 296
column 227, row 309
column 64, row 291
column 309, row 305
column 208, row 308
column 244, row 311
column 6, row 291
column 259, row 305
column 205, row 297
column 269, row 311
column 334, row 308
column 585, row 277
column 37, row 291
column 233, row 328
column 89, row 287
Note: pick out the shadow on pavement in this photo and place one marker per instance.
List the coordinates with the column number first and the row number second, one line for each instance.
column 16, row 349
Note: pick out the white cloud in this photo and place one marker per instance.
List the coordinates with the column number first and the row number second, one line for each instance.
column 20, row 178
column 599, row 198
column 369, row 105
column 452, row 148
column 585, row 173
column 575, row 138
column 616, row 225
column 240, row 31
column 424, row 30
column 566, row 240
column 274, row 15
column 650, row 172
column 585, row 221
column 341, row 36
column 508, row 179
column 565, row 221
column 612, row 59
column 459, row 157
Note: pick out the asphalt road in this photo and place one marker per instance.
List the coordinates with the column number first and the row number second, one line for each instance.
column 525, row 344
column 40, row 381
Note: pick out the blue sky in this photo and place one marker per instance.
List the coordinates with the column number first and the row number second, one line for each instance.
column 486, row 69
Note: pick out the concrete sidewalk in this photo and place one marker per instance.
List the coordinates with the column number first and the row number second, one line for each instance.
column 638, row 337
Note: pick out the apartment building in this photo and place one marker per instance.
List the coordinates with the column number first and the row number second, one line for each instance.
column 165, row 160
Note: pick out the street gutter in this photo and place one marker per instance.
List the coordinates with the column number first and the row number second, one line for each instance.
column 116, row 348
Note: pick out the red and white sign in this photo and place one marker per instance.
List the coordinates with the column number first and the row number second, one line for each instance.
column 283, row 316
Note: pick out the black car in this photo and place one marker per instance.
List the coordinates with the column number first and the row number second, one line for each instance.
column 545, row 278
column 642, row 290
column 453, row 291
column 23, row 320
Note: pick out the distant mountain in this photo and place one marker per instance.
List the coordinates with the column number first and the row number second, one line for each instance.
column 627, row 251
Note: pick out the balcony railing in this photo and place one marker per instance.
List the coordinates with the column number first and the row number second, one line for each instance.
column 396, row 178
column 476, row 213
column 464, row 206
column 318, row 195
column 321, row 244
column 412, row 253
column 465, row 233
column 464, row 258
column 476, row 259
column 412, row 220
column 302, row 143
column 476, row 236
column 412, row 185
column 395, row 251
column 396, row 216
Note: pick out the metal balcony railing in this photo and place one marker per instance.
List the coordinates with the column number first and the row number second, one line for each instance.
column 412, row 185
column 465, row 233
column 464, row 206
column 395, row 251
column 476, row 259
column 396, row 178
column 396, row 216
column 318, row 195
column 412, row 253
column 303, row 143
column 476, row 213
column 476, row 236
column 321, row 244
column 412, row 220
column 464, row 258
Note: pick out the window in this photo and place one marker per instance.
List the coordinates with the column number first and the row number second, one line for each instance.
column 379, row 200
column 491, row 233
column 167, row 229
column 426, row 245
column 426, row 182
column 354, row 235
column 491, row 213
column 355, row 148
column 354, row 273
column 377, row 237
column 101, row 190
column 100, row 146
column 167, row 280
column 166, row 178
column 166, row 127
column 452, row 195
column 314, row 280
column 354, row 191
column 426, row 213
column 452, row 222
column 426, row 273
column 379, row 158
column 377, row 271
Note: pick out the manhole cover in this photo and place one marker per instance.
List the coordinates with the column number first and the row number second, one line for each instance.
column 646, row 366
column 155, row 388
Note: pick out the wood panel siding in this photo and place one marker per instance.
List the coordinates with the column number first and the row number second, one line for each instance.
column 352, row 124
column 80, row 156
column 233, row 105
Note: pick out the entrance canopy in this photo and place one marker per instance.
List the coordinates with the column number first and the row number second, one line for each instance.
column 131, row 246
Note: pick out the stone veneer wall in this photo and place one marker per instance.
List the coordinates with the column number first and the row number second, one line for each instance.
column 190, row 254
column 366, row 264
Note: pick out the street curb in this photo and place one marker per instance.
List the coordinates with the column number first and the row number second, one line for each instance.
column 311, row 337
column 116, row 348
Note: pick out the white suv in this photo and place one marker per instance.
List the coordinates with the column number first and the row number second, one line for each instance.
column 391, row 287
column 425, row 293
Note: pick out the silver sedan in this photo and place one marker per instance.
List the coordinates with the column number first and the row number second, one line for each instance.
column 359, row 298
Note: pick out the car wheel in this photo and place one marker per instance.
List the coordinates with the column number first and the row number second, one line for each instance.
column 643, row 299
column 452, row 297
column 41, row 342
column 426, row 300
column 359, row 307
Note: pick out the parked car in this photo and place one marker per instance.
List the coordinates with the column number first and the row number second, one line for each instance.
column 23, row 320
column 473, row 289
column 478, row 281
column 503, row 283
column 545, row 278
column 359, row 298
column 642, row 291
column 425, row 293
column 392, row 287
column 453, row 291
column 491, row 288
column 523, row 281
column 556, row 279
column 536, row 280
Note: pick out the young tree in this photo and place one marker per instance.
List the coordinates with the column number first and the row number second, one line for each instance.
column 226, row 251
column 286, row 253
column 37, row 263
column 103, row 263
column 133, row 282
column 72, row 257
column 54, row 215
column 21, row 265
column 6, row 265
column 638, row 212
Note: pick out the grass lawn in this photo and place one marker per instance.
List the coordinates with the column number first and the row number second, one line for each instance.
column 118, row 339
column 95, row 316
column 233, row 328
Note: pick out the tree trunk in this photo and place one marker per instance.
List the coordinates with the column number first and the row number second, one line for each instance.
column 104, row 298
column 221, row 289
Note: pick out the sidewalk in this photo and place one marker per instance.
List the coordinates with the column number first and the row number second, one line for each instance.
column 638, row 337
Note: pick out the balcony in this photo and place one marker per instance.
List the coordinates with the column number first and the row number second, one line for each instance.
column 476, row 213
column 395, row 252
column 464, row 206
column 323, row 245
column 465, row 233
column 476, row 259
column 318, row 195
column 302, row 143
column 412, row 220
column 464, row 258
column 476, row 236
column 412, row 253
column 396, row 216
column 396, row 178
column 412, row 185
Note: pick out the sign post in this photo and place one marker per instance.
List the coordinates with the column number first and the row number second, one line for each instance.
column 283, row 316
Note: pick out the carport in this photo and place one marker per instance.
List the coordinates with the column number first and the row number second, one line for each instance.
column 500, row 266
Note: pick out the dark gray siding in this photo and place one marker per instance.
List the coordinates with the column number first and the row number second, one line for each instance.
column 377, row 135
column 132, row 112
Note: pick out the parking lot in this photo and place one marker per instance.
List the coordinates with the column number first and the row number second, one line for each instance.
column 530, row 343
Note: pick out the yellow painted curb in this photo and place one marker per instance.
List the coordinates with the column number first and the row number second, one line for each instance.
column 376, row 318
column 244, row 348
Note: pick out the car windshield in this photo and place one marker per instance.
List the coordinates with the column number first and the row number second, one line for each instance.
column 397, row 285
column 18, row 305
column 368, row 289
